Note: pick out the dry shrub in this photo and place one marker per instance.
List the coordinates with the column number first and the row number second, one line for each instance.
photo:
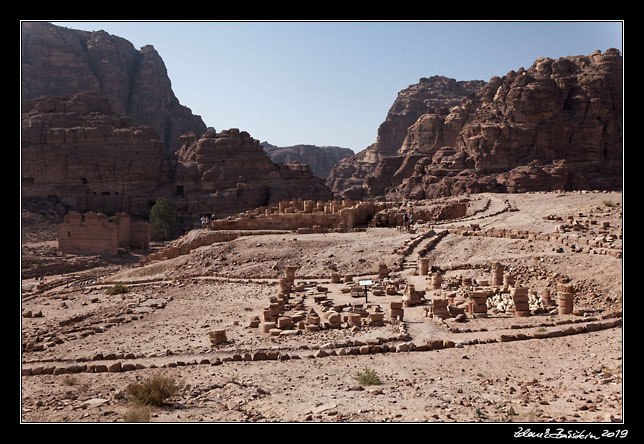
column 138, row 413
column 153, row 391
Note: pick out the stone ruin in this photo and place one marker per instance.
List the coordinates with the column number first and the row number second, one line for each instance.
column 422, row 211
column 457, row 298
column 96, row 233
column 305, row 216
column 501, row 294
column 287, row 313
column 311, row 216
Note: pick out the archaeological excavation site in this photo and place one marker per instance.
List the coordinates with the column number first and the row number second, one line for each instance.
column 467, row 267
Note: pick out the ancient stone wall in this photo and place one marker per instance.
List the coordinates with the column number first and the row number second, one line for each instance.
column 96, row 233
column 303, row 215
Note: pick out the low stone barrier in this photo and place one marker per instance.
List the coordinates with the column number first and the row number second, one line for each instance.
column 396, row 344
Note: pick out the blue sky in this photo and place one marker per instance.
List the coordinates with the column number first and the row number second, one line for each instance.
column 332, row 83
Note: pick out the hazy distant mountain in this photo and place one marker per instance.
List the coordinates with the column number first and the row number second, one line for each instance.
column 321, row 159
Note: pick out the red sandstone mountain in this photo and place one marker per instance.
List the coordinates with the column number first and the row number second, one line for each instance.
column 321, row 159
column 57, row 61
column 231, row 172
column 556, row 125
column 100, row 127
column 352, row 176
column 79, row 153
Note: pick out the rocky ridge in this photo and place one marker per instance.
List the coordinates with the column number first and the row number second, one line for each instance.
column 556, row 125
column 351, row 177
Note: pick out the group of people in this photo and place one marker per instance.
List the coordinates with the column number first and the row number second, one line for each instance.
column 205, row 220
column 408, row 221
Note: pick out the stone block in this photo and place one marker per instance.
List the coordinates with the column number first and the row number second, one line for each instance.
column 217, row 337
column 267, row 326
column 284, row 322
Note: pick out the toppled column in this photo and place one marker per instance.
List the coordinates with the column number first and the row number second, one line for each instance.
column 333, row 320
column 565, row 296
column 269, row 327
column 521, row 302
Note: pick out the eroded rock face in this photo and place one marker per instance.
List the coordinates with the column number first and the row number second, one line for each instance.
column 57, row 61
column 360, row 176
column 78, row 152
column 556, row 125
column 231, row 172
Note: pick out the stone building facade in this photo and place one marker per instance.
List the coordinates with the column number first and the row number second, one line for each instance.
column 96, row 233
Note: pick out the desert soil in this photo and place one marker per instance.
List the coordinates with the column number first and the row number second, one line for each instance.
column 161, row 326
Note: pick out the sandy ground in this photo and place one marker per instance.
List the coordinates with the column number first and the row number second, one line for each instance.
column 162, row 324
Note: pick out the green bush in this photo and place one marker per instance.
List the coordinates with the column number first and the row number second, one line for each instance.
column 368, row 377
column 163, row 220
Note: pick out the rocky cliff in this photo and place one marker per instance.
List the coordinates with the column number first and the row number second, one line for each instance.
column 351, row 177
column 79, row 153
column 321, row 159
column 57, row 61
column 556, row 125
column 231, row 172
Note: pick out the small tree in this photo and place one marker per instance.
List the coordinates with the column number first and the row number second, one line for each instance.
column 163, row 220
